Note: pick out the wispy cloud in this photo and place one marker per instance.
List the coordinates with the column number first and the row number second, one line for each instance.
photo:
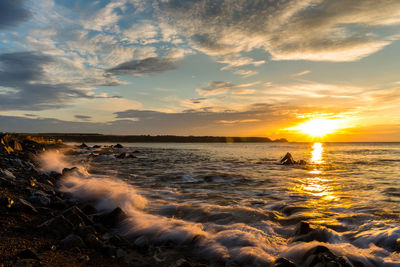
column 219, row 87
column 299, row 74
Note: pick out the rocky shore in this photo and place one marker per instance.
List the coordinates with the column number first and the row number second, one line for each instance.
column 42, row 226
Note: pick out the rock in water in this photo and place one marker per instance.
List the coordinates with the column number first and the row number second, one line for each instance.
column 113, row 218
column 287, row 159
column 118, row 146
column 282, row 262
column 83, row 145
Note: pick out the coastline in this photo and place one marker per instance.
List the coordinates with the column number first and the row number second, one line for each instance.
column 42, row 226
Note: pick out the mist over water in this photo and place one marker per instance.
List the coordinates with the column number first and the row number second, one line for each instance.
column 234, row 203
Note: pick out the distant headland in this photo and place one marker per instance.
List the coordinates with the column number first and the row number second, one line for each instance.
column 104, row 138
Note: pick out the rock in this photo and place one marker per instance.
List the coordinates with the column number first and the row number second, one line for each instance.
column 93, row 241
column 7, row 174
column 112, row 218
column 39, row 197
column 72, row 241
column 118, row 146
column 58, row 226
column 283, row 262
column 96, row 146
column 125, row 156
column 76, row 216
column 302, row 228
column 84, row 258
column 83, row 145
column 27, row 254
column 322, row 256
column 287, row 159
column 141, row 242
column 109, row 250
column 85, row 230
column 89, row 209
column 67, row 171
column 23, row 205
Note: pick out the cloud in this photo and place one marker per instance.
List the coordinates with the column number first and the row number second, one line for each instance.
column 299, row 74
column 25, row 84
column 83, row 117
column 12, row 13
column 245, row 73
column 316, row 30
column 218, row 88
column 149, row 65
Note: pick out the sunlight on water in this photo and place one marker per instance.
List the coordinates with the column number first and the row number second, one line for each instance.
column 316, row 153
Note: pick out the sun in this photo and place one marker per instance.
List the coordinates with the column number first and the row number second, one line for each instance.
column 319, row 127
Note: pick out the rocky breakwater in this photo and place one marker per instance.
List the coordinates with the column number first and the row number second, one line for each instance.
column 42, row 226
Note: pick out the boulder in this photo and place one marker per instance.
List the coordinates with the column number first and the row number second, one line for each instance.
column 59, row 226
column 322, row 256
column 39, row 197
column 23, row 205
column 118, row 146
column 287, row 159
column 111, row 219
column 67, row 171
column 72, row 241
column 93, row 241
column 302, row 228
column 76, row 216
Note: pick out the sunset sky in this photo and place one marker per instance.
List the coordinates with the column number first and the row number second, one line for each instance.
column 206, row 67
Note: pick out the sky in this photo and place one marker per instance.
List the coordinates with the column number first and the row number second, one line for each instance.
column 201, row 67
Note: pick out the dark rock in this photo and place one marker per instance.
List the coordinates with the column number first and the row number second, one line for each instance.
column 58, row 226
column 76, row 216
column 39, row 197
column 27, row 254
column 89, row 209
column 58, row 203
column 112, row 218
column 109, row 250
column 85, row 230
column 322, row 256
column 118, row 146
column 287, row 159
column 72, row 241
column 118, row 241
column 23, row 205
column 93, row 241
column 302, row 228
column 141, row 242
column 67, row 171
column 83, row 145
column 282, row 262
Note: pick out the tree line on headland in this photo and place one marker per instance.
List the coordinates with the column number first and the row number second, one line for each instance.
column 102, row 138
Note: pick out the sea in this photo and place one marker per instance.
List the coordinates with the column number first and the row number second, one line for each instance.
column 234, row 202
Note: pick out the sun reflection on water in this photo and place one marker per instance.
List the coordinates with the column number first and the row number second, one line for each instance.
column 316, row 153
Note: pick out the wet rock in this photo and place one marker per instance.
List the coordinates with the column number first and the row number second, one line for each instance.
column 76, row 216
column 72, row 241
column 58, row 226
column 67, row 171
column 96, row 146
column 7, row 174
column 93, row 241
column 118, row 241
column 89, row 209
column 283, row 262
column 112, row 218
column 302, row 228
column 322, row 256
column 319, row 234
column 27, row 254
column 23, row 205
column 118, row 146
column 58, row 203
column 287, row 159
column 83, row 145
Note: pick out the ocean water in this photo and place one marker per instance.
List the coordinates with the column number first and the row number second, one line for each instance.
column 234, row 203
